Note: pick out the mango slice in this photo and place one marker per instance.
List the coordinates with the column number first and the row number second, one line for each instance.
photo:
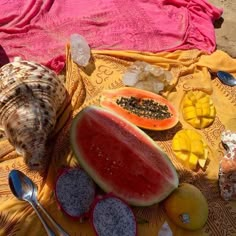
column 190, row 149
column 198, row 109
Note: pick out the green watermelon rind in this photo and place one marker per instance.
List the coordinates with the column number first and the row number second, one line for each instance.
column 96, row 178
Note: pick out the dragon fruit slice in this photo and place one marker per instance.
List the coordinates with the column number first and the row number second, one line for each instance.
column 75, row 192
column 111, row 216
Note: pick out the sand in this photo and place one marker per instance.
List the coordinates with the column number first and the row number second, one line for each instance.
column 225, row 28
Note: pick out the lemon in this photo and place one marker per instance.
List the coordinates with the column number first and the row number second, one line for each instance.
column 187, row 207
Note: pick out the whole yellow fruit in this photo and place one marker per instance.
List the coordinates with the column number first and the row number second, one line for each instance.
column 187, row 207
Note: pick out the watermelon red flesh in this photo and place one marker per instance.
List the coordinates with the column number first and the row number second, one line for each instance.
column 121, row 158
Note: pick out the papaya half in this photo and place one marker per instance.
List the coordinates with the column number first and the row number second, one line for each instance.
column 143, row 108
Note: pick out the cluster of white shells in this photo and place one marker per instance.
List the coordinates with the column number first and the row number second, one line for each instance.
column 149, row 77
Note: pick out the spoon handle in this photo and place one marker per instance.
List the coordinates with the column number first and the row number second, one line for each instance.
column 53, row 222
column 49, row 231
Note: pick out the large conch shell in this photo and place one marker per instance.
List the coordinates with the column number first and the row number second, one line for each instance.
column 30, row 98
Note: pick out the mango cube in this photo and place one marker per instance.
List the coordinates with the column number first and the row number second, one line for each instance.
column 197, row 148
column 205, row 99
column 193, row 161
column 199, row 95
column 199, row 111
column 195, row 122
column 189, row 115
column 205, row 111
column 187, row 102
column 193, row 134
column 202, row 163
column 205, row 122
column 183, row 156
column 212, row 111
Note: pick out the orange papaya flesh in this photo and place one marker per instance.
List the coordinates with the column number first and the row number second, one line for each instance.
column 121, row 158
column 143, row 108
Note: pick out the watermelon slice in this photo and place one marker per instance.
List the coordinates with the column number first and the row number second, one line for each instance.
column 121, row 158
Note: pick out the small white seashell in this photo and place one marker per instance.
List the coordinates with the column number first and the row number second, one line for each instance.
column 148, row 77
column 30, row 97
column 130, row 78
column 165, row 230
column 17, row 58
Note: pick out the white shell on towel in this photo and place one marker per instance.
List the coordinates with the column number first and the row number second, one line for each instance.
column 30, row 98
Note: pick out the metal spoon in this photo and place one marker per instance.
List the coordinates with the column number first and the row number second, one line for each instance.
column 25, row 189
column 226, row 78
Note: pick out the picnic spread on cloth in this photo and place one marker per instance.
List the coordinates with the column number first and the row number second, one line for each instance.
column 187, row 67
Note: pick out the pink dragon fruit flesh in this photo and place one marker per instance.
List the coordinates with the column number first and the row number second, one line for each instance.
column 112, row 216
column 75, row 192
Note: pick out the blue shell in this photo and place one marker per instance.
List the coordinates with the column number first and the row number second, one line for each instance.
column 226, row 78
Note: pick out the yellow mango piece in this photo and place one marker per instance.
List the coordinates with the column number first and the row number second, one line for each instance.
column 205, row 111
column 206, row 122
column 199, row 111
column 202, row 108
column 202, row 163
column 180, row 142
column 199, row 95
column 183, row 156
column 189, row 115
column 212, row 112
column 205, row 105
column 191, row 96
column 195, row 122
column 197, row 148
column 187, row 102
column 205, row 152
column 193, row 161
column 192, row 134
column 188, row 109
column 204, row 100
column 198, row 105
column 176, row 144
column 190, row 148
column 196, row 144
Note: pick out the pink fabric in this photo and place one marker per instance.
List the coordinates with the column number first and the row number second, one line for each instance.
column 39, row 29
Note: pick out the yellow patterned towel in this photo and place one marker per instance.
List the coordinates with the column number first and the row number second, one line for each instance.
column 190, row 70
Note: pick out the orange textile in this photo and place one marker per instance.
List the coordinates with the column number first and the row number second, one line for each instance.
column 190, row 71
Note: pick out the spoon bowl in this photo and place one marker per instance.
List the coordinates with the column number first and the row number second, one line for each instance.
column 226, row 78
column 24, row 189
column 21, row 186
